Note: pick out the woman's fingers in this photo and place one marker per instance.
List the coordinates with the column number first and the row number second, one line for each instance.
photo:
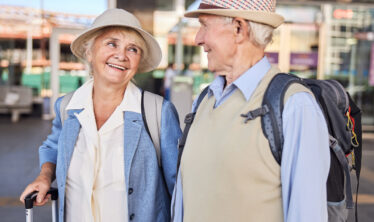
column 29, row 189
column 43, row 189
column 40, row 184
column 44, row 201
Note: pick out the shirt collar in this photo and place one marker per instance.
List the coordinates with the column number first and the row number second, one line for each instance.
column 246, row 83
column 82, row 98
column 216, row 87
column 132, row 99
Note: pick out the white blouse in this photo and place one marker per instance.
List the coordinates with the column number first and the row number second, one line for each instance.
column 95, row 185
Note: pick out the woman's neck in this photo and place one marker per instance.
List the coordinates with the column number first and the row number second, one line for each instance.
column 105, row 101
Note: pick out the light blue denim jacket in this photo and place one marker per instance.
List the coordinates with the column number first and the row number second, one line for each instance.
column 149, row 200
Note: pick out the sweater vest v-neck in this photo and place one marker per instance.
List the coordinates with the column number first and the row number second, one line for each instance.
column 227, row 168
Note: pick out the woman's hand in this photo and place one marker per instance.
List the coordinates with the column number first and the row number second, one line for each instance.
column 41, row 184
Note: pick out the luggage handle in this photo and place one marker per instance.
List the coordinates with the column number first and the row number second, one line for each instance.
column 29, row 202
column 30, row 198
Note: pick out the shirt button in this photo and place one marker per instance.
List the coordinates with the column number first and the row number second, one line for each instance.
column 132, row 216
column 131, row 190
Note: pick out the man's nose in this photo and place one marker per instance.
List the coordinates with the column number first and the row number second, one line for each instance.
column 199, row 39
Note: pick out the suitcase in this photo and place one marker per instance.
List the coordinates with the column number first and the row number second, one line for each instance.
column 29, row 202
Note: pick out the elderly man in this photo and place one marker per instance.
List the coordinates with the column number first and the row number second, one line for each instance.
column 227, row 170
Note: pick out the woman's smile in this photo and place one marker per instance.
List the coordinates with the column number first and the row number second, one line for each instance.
column 121, row 68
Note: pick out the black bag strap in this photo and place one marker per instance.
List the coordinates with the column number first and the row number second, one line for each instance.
column 339, row 153
column 188, row 121
column 271, row 121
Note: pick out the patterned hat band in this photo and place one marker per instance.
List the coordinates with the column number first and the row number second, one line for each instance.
column 256, row 5
column 206, row 6
column 260, row 11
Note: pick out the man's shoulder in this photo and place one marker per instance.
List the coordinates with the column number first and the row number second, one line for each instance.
column 274, row 69
column 301, row 98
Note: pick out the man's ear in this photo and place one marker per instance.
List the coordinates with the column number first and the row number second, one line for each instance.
column 240, row 29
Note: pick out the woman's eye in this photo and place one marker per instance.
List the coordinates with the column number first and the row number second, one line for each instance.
column 112, row 44
column 134, row 49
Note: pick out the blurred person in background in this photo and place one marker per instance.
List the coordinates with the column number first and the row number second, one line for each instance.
column 2, row 82
column 227, row 170
column 193, row 70
column 168, row 80
column 4, row 64
column 102, row 156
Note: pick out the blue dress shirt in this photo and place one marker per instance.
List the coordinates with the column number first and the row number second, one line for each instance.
column 305, row 158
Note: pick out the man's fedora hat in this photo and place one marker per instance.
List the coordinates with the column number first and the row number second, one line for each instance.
column 121, row 18
column 261, row 11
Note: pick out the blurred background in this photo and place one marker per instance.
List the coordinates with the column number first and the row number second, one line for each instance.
column 320, row 40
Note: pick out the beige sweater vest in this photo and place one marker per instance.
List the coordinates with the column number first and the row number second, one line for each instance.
column 228, row 171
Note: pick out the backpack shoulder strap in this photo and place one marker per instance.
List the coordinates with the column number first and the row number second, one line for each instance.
column 188, row 120
column 271, row 122
column 64, row 102
column 151, row 106
column 200, row 98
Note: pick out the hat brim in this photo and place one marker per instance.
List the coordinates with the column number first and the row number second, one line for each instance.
column 268, row 18
column 149, row 62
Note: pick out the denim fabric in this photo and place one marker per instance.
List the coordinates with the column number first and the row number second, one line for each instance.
column 150, row 198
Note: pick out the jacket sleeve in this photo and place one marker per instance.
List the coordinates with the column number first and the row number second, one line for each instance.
column 48, row 150
column 170, row 133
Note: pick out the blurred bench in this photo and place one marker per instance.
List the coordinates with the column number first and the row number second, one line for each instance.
column 15, row 100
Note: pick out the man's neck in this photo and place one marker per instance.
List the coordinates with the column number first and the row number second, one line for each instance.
column 244, row 61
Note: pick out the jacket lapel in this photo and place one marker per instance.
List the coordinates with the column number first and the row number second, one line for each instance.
column 69, row 135
column 132, row 130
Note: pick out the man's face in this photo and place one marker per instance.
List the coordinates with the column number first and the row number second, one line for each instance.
column 216, row 36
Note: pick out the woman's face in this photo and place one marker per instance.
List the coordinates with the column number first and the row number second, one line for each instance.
column 114, row 57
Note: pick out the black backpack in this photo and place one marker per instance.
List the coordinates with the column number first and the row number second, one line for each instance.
column 343, row 119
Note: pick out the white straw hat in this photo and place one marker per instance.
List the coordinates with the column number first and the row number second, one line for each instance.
column 121, row 18
column 261, row 11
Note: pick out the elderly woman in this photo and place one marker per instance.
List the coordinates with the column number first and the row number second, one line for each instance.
column 102, row 156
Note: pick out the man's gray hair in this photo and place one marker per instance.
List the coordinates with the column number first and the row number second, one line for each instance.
column 259, row 34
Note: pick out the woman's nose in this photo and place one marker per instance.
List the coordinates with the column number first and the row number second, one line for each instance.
column 121, row 55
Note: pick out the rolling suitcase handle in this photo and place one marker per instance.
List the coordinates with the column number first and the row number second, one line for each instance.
column 29, row 202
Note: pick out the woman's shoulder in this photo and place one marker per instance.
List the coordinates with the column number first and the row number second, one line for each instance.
column 169, row 106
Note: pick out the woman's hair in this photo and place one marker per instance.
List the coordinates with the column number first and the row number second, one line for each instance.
column 134, row 35
column 259, row 34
